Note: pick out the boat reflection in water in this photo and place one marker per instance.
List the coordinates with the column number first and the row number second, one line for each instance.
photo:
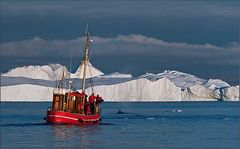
column 79, row 136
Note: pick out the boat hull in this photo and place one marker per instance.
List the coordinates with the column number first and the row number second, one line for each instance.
column 62, row 117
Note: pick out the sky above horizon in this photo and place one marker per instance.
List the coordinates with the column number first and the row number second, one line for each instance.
column 197, row 37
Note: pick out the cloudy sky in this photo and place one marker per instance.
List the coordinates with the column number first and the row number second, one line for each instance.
column 197, row 37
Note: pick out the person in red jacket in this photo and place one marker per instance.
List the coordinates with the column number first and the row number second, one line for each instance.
column 92, row 103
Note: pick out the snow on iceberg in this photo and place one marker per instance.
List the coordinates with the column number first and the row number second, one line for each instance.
column 180, row 79
column 36, row 83
column 116, row 75
column 216, row 84
column 45, row 72
column 91, row 71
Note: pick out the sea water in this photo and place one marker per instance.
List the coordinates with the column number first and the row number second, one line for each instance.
column 170, row 125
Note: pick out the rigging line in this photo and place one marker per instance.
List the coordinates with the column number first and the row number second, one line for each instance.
column 90, row 79
column 58, row 61
column 90, row 54
column 70, row 71
column 55, row 75
column 238, row 20
column 89, row 68
column 60, row 82
column 78, row 75
column 79, row 71
column 70, row 67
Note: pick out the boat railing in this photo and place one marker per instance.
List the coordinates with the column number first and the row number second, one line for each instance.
column 73, row 104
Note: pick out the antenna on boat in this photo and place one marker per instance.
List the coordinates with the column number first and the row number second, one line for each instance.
column 86, row 31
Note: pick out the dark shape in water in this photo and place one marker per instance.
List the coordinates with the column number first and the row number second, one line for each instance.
column 120, row 112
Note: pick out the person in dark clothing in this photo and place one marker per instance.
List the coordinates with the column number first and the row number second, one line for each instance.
column 85, row 104
column 88, row 109
column 99, row 100
column 92, row 103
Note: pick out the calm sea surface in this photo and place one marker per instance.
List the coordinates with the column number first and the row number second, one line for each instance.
column 173, row 125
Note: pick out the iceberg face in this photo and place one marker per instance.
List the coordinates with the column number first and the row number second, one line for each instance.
column 202, row 92
column 26, row 92
column 140, row 89
column 36, row 83
column 232, row 93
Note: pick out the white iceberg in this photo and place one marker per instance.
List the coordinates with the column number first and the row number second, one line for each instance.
column 91, row 71
column 45, row 72
column 36, row 83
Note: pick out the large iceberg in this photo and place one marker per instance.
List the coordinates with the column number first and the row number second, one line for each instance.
column 36, row 83
column 45, row 72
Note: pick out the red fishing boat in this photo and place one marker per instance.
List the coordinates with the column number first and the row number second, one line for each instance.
column 72, row 107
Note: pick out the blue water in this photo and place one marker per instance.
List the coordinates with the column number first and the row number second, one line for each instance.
column 174, row 125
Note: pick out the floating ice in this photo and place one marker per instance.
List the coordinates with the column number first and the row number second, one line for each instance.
column 36, row 83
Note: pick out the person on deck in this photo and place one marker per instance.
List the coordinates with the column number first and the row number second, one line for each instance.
column 88, row 109
column 85, row 104
column 92, row 102
column 82, row 108
column 99, row 100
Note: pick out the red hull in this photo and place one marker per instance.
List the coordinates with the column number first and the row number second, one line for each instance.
column 61, row 117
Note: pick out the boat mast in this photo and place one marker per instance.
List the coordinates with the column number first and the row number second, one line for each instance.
column 85, row 61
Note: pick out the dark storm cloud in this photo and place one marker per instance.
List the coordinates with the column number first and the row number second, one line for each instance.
column 125, row 45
